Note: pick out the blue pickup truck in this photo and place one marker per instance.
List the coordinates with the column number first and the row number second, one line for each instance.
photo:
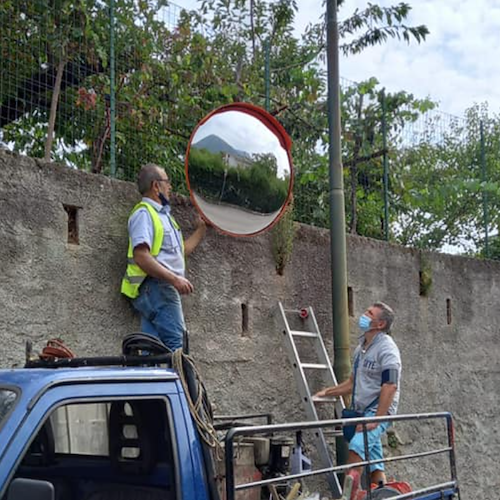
column 72, row 430
column 96, row 434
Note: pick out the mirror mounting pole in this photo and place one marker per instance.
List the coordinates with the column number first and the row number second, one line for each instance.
column 338, row 260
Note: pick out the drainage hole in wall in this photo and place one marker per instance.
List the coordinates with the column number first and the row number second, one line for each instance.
column 448, row 311
column 350, row 301
column 73, row 236
column 244, row 319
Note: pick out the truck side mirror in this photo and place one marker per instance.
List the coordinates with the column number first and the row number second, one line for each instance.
column 34, row 489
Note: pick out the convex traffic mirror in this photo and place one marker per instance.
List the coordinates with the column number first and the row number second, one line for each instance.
column 239, row 169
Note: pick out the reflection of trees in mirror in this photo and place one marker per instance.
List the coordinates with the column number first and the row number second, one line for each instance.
column 248, row 182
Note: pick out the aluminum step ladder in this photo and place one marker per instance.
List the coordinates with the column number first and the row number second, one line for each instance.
column 310, row 331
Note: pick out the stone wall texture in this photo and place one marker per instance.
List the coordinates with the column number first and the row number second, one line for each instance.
column 448, row 338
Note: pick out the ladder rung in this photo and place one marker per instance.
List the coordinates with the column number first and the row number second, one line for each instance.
column 297, row 333
column 314, row 366
column 336, row 433
column 325, row 399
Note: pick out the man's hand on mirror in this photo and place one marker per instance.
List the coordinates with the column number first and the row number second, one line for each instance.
column 200, row 223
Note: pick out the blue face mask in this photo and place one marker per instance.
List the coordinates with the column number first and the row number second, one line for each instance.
column 163, row 199
column 364, row 323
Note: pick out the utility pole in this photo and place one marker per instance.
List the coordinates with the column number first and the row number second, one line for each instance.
column 386, row 167
column 341, row 364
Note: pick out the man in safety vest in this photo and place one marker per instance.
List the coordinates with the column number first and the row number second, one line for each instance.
column 155, row 272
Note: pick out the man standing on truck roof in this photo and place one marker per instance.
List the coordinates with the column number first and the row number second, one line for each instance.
column 374, row 383
column 155, row 276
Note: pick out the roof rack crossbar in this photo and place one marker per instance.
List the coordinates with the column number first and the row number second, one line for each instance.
column 102, row 361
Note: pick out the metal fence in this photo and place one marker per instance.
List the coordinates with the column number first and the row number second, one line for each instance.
column 99, row 84
column 412, row 173
column 82, row 65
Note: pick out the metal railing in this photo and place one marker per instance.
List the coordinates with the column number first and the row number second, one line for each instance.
column 445, row 488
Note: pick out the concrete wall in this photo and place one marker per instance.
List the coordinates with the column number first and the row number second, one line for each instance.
column 54, row 288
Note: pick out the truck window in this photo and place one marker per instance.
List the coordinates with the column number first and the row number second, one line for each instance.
column 81, row 429
column 105, row 450
column 7, row 399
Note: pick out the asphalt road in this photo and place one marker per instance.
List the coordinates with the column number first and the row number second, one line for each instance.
column 234, row 219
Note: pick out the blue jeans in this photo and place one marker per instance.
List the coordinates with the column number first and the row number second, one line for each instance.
column 161, row 312
column 357, row 443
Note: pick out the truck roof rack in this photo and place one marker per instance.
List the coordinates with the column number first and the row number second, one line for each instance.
column 138, row 349
column 123, row 360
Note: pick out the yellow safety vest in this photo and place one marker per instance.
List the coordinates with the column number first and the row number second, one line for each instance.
column 134, row 275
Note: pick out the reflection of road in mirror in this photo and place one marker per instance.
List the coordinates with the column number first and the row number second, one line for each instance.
column 233, row 219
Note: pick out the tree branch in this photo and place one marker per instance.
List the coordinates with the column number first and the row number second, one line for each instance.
column 361, row 159
column 53, row 107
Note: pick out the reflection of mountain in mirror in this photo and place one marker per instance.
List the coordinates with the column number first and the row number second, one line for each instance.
column 216, row 144
column 243, row 135
column 236, row 160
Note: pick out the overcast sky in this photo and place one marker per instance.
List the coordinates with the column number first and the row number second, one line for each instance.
column 457, row 66
column 245, row 133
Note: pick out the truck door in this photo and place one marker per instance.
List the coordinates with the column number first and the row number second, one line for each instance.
column 106, row 441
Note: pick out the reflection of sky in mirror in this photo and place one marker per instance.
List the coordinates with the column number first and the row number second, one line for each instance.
column 245, row 133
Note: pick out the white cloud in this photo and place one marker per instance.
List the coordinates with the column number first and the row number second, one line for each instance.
column 457, row 65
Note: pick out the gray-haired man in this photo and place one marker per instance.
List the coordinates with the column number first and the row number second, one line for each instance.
column 155, row 276
column 374, row 383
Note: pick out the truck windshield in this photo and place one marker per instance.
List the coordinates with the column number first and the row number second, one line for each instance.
column 7, row 400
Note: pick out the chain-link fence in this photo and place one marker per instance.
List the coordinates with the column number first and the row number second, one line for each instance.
column 79, row 80
column 101, row 85
column 412, row 174
column 46, row 56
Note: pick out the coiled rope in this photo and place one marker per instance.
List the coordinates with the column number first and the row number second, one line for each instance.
column 55, row 349
column 200, row 407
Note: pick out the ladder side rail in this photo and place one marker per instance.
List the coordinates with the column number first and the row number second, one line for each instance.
column 323, row 353
column 283, row 317
column 308, row 405
column 298, row 371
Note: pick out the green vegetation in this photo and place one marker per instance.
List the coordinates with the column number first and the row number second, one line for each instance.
column 282, row 235
column 253, row 186
column 55, row 59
